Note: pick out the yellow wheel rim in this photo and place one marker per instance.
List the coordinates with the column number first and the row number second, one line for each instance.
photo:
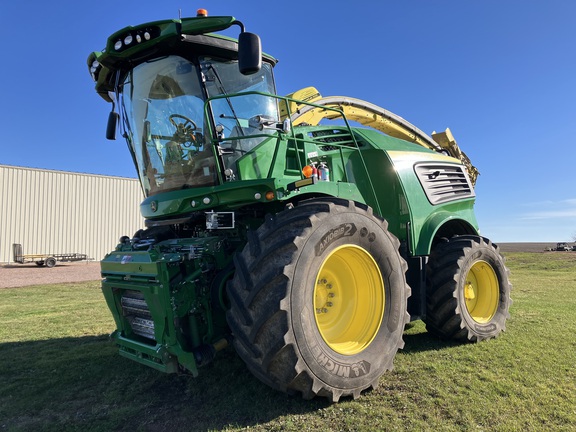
column 481, row 292
column 349, row 299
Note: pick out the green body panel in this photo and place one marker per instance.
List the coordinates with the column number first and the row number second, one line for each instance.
column 402, row 199
column 166, row 287
column 170, row 278
column 380, row 174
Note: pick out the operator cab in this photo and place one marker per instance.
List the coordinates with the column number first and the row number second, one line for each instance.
column 189, row 103
column 171, row 128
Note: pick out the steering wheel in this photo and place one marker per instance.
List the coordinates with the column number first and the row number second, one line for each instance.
column 187, row 124
column 184, row 131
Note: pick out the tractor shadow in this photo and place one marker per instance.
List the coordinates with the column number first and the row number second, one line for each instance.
column 417, row 339
column 83, row 383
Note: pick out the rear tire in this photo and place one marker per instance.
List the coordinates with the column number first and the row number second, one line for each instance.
column 50, row 262
column 318, row 300
column 469, row 292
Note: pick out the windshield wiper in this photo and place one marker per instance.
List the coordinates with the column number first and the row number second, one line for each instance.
column 223, row 91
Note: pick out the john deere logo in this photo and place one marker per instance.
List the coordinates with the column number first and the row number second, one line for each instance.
column 154, row 206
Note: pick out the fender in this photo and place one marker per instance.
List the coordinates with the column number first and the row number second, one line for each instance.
column 445, row 222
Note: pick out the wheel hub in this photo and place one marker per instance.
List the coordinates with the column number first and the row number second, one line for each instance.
column 349, row 299
column 324, row 296
column 481, row 292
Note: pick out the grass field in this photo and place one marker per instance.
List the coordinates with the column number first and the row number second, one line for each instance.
column 59, row 372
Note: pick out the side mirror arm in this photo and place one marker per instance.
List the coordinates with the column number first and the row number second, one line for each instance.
column 249, row 51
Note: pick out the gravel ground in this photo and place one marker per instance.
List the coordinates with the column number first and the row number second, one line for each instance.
column 18, row 275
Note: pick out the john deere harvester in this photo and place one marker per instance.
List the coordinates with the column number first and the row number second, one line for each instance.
column 273, row 224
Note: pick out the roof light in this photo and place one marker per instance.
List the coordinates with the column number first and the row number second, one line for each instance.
column 94, row 70
column 134, row 37
column 201, row 13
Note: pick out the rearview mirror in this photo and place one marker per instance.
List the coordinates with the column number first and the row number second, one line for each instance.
column 113, row 119
column 249, row 53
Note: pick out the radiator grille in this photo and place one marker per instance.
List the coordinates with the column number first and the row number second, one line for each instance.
column 444, row 182
column 333, row 139
column 137, row 313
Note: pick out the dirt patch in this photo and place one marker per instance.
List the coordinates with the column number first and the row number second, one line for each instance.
column 525, row 247
column 18, row 275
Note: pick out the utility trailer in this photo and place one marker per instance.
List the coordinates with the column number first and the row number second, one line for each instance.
column 49, row 260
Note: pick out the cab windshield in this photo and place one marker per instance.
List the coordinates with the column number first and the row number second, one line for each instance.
column 163, row 109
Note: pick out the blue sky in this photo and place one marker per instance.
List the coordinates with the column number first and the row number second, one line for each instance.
column 500, row 73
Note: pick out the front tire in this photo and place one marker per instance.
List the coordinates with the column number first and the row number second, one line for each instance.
column 468, row 290
column 318, row 300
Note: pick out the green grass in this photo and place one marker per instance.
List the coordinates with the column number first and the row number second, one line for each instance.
column 59, row 372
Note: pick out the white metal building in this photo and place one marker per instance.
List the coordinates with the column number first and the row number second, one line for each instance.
column 57, row 212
